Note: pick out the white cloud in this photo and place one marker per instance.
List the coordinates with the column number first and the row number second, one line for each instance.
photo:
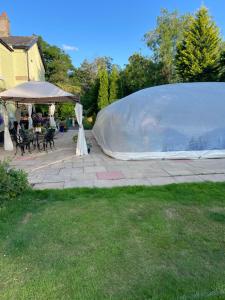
column 69, row 48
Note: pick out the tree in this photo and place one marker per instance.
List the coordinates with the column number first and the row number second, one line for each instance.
column 87, row 78
column 222, row 67
column 86, row 74
column 89, row 99
column 103, row 94
column 114, row 88
column 198, row 53
column 139, row 73
column 58, row 63
column 65, row 110
column 104, row 62
column 221, row 63
column 162, row 41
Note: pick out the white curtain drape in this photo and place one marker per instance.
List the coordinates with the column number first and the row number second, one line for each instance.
column 18, row 118
column 51, row 115
column 18, row 114
column 8, row 144
column 30, row 121
column 81, row 141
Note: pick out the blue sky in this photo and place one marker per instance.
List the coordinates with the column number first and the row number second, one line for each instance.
column 97, row 28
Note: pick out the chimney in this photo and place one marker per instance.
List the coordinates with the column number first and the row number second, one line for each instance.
column 4, row 25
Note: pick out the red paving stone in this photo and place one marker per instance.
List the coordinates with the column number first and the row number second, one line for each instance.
column 114, row 175
column 26, row 158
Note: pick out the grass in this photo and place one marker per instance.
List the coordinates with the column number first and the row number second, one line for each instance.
column 122, row 243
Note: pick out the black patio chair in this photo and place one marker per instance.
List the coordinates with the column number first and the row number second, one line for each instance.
column 22, row 142
column 49, row 138
column 18, row 141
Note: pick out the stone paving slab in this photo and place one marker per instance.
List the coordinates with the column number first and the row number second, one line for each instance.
column 111, row 175
column 186, row 179
column 61, row 168
column 49, row 185
column 213, row 177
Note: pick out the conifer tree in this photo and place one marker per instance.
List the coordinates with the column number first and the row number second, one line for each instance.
column 103, row 94
column 221, row 67
column 114, row 85
column 198, row 53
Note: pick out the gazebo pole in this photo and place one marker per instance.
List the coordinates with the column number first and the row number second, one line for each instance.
column 8, row 144
column 30, row 121
column 51, row 115
column 18, row 118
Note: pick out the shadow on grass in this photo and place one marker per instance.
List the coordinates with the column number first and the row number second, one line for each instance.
column 218, row 217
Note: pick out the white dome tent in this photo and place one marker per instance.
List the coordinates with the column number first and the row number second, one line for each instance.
column 174, row 121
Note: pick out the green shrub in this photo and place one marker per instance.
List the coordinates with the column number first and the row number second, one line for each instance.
column 75, row 138
column 87, row 124
column 12, row 182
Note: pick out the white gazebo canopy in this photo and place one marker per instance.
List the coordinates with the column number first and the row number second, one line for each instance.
column 40, row 92
column 37, row 92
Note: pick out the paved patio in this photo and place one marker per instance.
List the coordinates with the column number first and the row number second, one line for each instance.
column 60, row 168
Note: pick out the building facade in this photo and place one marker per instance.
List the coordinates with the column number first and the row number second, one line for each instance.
column 21, row 58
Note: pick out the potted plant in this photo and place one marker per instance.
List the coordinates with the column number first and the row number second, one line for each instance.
column 62, row 126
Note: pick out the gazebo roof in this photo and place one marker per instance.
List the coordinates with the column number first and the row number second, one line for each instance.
column 38, row 92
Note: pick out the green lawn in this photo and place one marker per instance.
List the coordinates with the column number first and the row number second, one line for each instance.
column 122, row 243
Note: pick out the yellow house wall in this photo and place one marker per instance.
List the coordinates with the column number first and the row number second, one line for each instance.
column 20, row 66
column 36, row 67
column 14, row 69
column 14, row 66
column 6, row 68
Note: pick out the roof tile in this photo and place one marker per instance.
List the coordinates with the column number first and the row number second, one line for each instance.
column 20, row 41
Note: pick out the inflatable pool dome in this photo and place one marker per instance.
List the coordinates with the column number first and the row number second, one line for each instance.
column 173, row 121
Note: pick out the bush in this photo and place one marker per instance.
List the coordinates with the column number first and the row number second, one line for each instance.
column 87, row 123
column 65, row 110
column 12, row 182
column 75, row 138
